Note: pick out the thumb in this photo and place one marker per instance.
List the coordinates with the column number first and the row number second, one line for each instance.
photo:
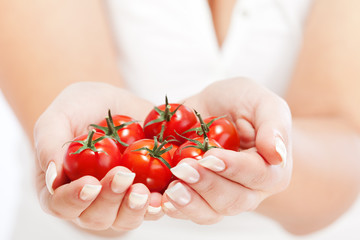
column 51, row 132
column 273, row 132
column 272, row 146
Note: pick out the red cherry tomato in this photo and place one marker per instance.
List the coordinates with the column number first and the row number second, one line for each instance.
column 179, row 122
column 147, row 166
column 222, row 130
column 91, row 154
column 127, row 134
column 175, row 117
column 194, row 150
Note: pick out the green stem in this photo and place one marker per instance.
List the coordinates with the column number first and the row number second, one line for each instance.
column 110, row 125
column 204, row 127
column 158, row 149
column 167, row 113
column 89, row 138
column 206, row 144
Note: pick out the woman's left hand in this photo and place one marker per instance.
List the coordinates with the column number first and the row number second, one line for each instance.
column 229, row 182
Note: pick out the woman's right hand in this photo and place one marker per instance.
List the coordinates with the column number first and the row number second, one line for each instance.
column 114, row 202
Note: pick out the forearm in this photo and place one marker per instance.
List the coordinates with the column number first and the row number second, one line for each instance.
column 325, row 180
column 47, row 45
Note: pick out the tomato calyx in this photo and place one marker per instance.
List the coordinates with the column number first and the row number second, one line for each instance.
column 89, row 143
column 111, row 130
column 157, row 151
column 164, row 116
column 161, row 138
column 204, row 127
column 203, row 146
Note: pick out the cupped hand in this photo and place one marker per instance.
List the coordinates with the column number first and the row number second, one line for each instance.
column 114, row 201
column 227, row 182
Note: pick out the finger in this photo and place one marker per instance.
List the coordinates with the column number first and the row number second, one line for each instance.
column 224, row 196
column 273, row 129
column 170, row 210
column 102, row 212
column 133, row 208
column 191, row 204
column 49, row 141
column 70, row 200
column 247, row 133
column 246, row 167
column 154, row 211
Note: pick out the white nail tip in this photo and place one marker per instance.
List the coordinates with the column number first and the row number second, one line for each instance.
column 137, row 200
column 50, row 177
column 153, row 210
column 281, row 149
column 89, row 192
column 186, row 172
column 179, row 194
column 169, row 206
column 213, row 163
column 121, row 181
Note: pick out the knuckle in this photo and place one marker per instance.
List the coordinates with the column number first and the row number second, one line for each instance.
column 92, row 223
column 228, row 207
column 241, row 203
column 128, row 226
column 109, row 199
column 207, row 220
column 207, row 188
column 232, row 173
column 258, row 178
column 56, row 213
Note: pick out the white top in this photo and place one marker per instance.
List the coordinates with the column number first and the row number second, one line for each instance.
column 170, row 47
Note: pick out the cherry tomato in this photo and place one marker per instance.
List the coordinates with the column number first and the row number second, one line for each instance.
column 91, row 154
column 124, row 129
column 221, row 129
column 194, row 148
column 177, row 118
column 150, row 162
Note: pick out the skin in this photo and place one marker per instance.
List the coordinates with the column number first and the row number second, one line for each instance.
column 322, row 97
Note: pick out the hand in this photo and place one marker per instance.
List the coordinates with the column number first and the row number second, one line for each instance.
column 228, row 182
column 112, row 202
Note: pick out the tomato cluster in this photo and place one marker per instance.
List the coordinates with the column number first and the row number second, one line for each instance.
column 171, row 132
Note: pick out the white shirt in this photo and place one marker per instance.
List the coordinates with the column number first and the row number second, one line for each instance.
column 170, row 46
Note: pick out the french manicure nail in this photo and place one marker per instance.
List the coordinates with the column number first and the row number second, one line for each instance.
column 153, row 210
column 213, row 163
column 281, row 150
column 169, row 206
column 137, row 200
column 186, row 172
column 121, row 181
column 89, row 192
column 50, row 177
column 179, row 194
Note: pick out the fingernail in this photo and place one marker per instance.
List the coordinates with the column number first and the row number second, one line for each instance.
column 50, row 177
column 122, row 181
column 169, row 206
column 179, row 194
column 89, row 192
column 281, row 150
column 153, row 210
column 137, row 200
column 213, row 163
column 186, row 172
